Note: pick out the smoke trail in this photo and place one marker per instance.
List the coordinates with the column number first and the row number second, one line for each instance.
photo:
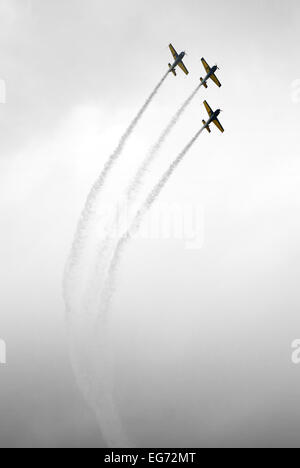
column 108, row 292
column 90, row 332
column 99, row 391
column 93, row 368
column 88, row 209
column 137, row 181
column 154, row 150
column 90, row 346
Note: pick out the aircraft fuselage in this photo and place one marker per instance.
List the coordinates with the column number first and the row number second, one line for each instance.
column 211, row 72
column 214, row 116
column 179, row 59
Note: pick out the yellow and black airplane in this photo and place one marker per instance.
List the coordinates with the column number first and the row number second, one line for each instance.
column 210, row 74
column 213, row 118
column 178, row 61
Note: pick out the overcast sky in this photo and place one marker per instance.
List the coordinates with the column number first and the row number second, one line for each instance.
column 202, row 338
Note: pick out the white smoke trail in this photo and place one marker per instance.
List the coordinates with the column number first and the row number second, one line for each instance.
column 98, row 185
column 90, row 351
column 109, row 289
column 91, row 360
column 91, row 354
column 134, row 186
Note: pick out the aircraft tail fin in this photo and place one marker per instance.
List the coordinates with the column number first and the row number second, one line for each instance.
column 207, row 126
column 172, row 70
column 204, row 83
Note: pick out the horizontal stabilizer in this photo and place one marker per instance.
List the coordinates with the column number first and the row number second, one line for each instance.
column 172, row 70
column 207, row 126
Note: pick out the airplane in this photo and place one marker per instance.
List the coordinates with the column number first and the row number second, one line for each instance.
column 213, row 118
column 210, row 74
column 178, row 61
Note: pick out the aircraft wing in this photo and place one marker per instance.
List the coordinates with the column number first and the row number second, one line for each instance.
column 215, row 80
column 206, row 66
column 173, row 51
column 218, row 125
column 183, row 68
column 208, row 108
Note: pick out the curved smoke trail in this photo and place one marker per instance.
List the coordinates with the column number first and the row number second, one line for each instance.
column 109, row 289
column 138, row 178
column 93, row 365
column 154, row 150
column 90, row 344
column 88, row 209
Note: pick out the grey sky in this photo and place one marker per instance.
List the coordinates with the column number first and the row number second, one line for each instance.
column 76, row 72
